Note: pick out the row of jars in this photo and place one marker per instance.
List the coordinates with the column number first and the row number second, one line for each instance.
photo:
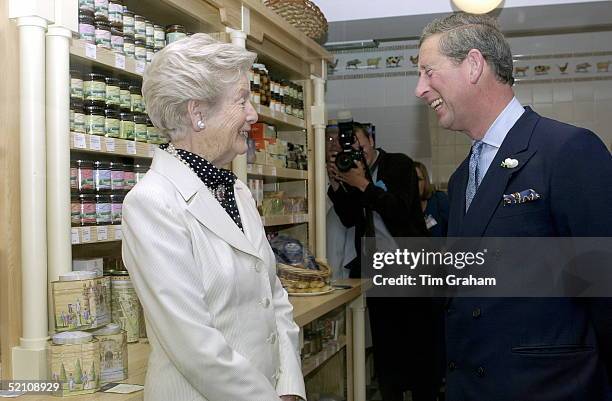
column 279, row 95
column 96, row 88
column 88, row 176
column 109, row 24
column 95, row 209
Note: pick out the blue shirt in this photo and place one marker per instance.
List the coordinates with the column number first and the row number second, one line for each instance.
column 496, row 134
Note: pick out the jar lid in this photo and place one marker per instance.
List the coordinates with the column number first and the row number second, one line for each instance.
column 76, row 103
column 111, row 328
column 139, row 42
column 127, row 12
column 86, row 13
column 94, row 109
column 94, row 76
column 112, row 81
column 86, row 197
column 156, row 26
column 78, row 275
column 135, row 88
column 72, row 337
column 102, row 20
column 81, row 161
column 175, row 28
column 116, row 165
column 137, row 16
column 99, row 163
column 126, row 115
column 128, row 38
column 75, row 74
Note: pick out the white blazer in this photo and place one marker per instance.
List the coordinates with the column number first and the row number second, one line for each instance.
column 219, row 322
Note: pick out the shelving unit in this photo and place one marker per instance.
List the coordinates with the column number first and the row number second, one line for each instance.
column 260, row 170
column 96, row 234
column 87, row 53
column 281, row 120
column 110, row 146
column 313, row 362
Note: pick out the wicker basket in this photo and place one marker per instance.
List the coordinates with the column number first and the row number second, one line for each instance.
column 301, row 280
column 302, row 14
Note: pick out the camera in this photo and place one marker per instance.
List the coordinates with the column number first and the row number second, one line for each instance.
column 345, row 160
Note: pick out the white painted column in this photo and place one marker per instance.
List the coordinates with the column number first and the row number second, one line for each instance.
column 359, row 371
column 239, row 164
column 318, row 123
column 58, row 157
column 29, row 358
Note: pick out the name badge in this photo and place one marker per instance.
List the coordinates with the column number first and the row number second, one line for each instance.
column 430, row 221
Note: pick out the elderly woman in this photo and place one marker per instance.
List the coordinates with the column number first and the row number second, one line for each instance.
column 220, row 324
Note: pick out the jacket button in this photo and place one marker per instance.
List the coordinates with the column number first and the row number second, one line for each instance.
column 452, row 366
column 480, row 371
column 265, row 302
column 476, row 313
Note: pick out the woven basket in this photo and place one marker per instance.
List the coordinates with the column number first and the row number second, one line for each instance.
column 301, row 280
column 302, row 14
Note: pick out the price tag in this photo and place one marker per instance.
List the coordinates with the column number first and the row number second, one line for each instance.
column 152, row 150
column 120, row 61
column 90, row 51
column 273, row 171
column 118, row 233
column 140, row 67
column 75, row 236
column 86, row 233
column 79, row 141
column 110, row 144
column 131, row 147
column 102, row 233
column 94, row 143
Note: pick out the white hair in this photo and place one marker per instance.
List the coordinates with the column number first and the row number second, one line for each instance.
column 197, row 67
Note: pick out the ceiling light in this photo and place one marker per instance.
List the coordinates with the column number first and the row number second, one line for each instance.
column 477, row 6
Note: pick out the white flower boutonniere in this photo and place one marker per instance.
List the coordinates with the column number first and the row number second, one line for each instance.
column 509, row 163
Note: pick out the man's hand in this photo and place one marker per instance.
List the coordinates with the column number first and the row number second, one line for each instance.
column 332, row 172
column 355, row 177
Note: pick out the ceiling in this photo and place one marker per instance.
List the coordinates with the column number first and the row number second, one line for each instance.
column 562, row 16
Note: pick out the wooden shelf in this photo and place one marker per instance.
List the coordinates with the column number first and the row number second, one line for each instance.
column 90, row 53
column 282, row 121
column 113, row 146
column 260, row 170
column 96, row 234
column 284, row 219
column 311, row 363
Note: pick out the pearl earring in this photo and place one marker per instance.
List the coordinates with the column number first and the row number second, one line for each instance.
column 200, row 124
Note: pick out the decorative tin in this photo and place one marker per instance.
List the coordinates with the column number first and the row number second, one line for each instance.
column 74, row 361
column 113, row 353
column 125, row 306
column 81, row 300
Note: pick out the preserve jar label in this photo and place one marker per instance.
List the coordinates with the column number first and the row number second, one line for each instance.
column 116, row 212
column 137, row 104
column 140, row 30
column 128, row 49
column 74, row 178
column 140, row 132
column 174, row 36
column 103, row 179
column 101, row 7
column 117, row 179
column 113, row 94
column 111, row 127
column 103, row 212
column 75, row 213
column 130, row 179
column 94, row 90
column 88, row 213
column 79, row 122
column 125, row 98
column 87, row 5
column 117, row 44
column 140, row 53
column 103, row 38
column 86, row 182
column 87, row 32
column 115, row 12
column 94, row 125
column 76, row 88
column 126, row 130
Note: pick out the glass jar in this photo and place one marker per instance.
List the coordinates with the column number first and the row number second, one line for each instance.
column 174, row 33
column 117, row 40
column 129, row 177
column 139, row 171
column 140, row 127
column 126, row 125
column 94, row 119
column 140, row 51
column 140, row 30
column 77, row 116
column 111, row 122
column 87, row 26
column 101, row 8
column 88, row 209
column 85, row 175
column 149, row 53
column 128, row 23
column 128, row 45
column 87, row 5
column 117, row 176
column 103, row 33
column 75, row 210
column 94, row 87
column 74, row 176
column 103, row 209
column 115, row 13
column 152, row 132
column 159, row 37
column 102, row 176
column 76, row 84
column 125, row 98
column 113, row 93
column 116, row 208
column 136, row 99
column 149, row 34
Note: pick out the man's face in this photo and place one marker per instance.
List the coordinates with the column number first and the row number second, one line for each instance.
column 443, row 84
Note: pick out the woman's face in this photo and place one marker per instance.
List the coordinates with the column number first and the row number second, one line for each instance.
column 228, row 125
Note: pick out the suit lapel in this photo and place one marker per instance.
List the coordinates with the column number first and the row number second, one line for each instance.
column 491, row 189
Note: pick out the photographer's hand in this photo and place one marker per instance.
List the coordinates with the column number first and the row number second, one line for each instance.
column 332, row 172
column 355, row 177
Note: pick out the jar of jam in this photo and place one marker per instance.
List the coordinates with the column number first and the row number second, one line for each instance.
column 103, row 33
column 74, row 176
column 125, row 98
column 140, row 51
column 116, row 208
column 102, row 176
column 76, row 84
column 113, row 94
column 75, row 210
column 115, row 13
column 174, row 33
column 94, row 119
column 87, row 5
column 87, row 26
column 101, row 8
column 140, row 30
column 140, row 171
column 128, row 23
column 77, row 116
column 128, row 45
column 140, row 127
column 111, row 122
column 117, row 176
column 117, row 40
column 88, row 209
column 149, row 34
column 103, row 209
column 126, row 125
column 159, row 37
column 152, row 132
column 85, row 175
column 94, row 87
column 129, row 177
column 136, row 97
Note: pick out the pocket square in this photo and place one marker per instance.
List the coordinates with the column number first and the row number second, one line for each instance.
column 528, row 195
column 380, row 184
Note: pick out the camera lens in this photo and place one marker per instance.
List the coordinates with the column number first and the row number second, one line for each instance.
column 344, row 161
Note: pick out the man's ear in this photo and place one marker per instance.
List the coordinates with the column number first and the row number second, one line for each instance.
column 476, row 64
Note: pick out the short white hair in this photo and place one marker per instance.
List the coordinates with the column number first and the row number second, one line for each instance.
column 197, row 67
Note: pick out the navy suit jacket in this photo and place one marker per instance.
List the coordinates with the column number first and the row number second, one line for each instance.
column 533, row 349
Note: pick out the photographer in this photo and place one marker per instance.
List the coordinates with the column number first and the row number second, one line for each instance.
column 380, row 198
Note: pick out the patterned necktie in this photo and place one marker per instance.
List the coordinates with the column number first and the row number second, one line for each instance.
column 473, row 181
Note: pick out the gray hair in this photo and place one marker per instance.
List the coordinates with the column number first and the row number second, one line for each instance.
column 198, row 67
column 462, row 32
